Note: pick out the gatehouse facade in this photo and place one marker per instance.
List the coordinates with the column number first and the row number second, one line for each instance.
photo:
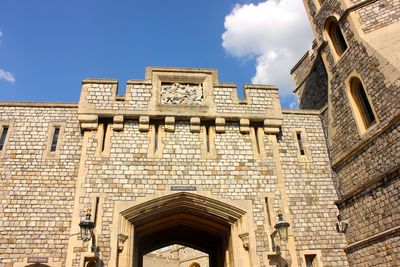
column 178, row 159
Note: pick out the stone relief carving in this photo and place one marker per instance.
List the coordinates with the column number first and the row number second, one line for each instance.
column 180, row 94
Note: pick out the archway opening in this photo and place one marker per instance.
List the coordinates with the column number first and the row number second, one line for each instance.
column 185, row 229
column 186, row 219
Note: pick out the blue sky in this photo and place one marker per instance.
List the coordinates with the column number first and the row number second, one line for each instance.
column 48, row 47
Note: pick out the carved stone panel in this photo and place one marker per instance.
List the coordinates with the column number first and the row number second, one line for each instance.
column 180, row 94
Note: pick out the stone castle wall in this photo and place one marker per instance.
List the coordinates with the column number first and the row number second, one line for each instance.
column 119, row 165
column 311, row 81
column 309, row 187
column 378, row 14
column 365, row 163
column 37, row 187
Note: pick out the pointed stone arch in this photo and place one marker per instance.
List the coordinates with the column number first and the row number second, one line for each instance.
column 207, row 224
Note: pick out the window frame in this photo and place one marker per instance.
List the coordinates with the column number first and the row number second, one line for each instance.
column 48, row 153
column 9, row 125
column 317, row 257
column 306, row 157
column 334, row 43
column 357, row 106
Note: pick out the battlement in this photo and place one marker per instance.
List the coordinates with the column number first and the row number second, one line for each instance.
column 181, row 93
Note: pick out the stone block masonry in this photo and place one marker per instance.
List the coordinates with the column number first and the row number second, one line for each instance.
column 37, row 189
column 364, row 160
column 207, row 162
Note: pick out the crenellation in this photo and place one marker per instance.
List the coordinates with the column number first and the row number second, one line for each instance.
column 99, row 97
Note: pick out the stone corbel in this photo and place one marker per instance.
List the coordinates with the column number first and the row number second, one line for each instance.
column 121, row 240
column 144, row 123
column 220, row 125
column 170, row 124
column 245, row 239
column 88, row 122
column 244, row 126
column 195, row 124
column 272, row 126
column 118, row 123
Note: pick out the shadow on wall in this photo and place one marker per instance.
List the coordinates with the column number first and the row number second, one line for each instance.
column 315, row 94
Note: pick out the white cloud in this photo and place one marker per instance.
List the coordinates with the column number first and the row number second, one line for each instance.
column 275, row 32
column 5, row 75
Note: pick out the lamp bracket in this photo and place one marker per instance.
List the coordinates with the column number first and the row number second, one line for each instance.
column 121, row 240
column 245, row 239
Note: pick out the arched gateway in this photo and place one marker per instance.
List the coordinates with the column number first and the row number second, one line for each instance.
column 203, row 223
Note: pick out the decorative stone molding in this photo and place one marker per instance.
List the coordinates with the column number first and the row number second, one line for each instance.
column 118, row 123
column 144, row 123
column 88, row 122
column 220, row 125
column 199, row 204
column 272, row 126
column 180, row 94
column 87, row 118
column 89, row 126
column 244, row 126
column 245, row 239
column 170, row 124
column 195, row 124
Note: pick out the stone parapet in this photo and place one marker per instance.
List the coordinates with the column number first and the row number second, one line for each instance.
column 180, row 93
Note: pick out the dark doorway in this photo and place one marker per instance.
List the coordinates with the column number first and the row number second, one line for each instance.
column 187, row 230
column 183, row 218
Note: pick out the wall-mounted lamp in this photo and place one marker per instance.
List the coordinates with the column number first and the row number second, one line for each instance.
column 341, row 225
column 281, row 228
column 87, row 227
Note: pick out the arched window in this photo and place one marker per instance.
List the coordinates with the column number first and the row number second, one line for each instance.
column 335, row 35
column 361, row 105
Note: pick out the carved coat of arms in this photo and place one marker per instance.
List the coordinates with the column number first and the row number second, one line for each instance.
column 180, row 94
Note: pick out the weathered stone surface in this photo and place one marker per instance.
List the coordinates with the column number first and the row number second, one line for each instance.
column 220, row 166
column 365, row 161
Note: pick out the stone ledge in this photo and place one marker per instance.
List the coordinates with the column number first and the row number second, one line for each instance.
column 225, row 85
column 301, row 112
column 39, row 104
column 260, row 86
column 146, row 82
column 133, row 114
column 375, row 237
column 367, row 185
column 100, row 80
column 366, row 139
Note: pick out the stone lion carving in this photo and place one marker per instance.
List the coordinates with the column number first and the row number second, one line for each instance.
column 179, row 94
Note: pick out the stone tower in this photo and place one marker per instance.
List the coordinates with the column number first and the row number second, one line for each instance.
column 352, row 76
